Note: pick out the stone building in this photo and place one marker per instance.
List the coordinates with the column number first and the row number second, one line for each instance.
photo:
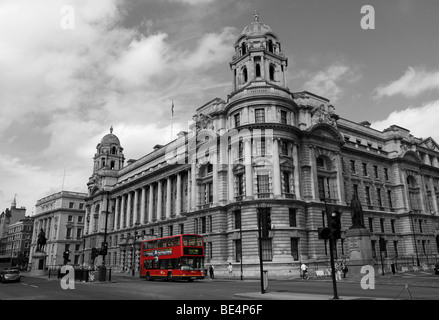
column 266, row 149
column 17, row 242
column 8, row 217
column 61, row 216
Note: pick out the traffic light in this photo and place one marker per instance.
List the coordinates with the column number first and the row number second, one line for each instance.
column 324, row 233
column 104, row 247
column 94, row 253
column 66, row 256
column 335, row 225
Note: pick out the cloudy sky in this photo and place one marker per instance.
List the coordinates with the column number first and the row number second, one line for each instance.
column 70, row 69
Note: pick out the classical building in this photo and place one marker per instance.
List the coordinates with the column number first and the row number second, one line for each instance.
column 264, row 149
column 17, row 242
column 61, row 216
column 9, row 217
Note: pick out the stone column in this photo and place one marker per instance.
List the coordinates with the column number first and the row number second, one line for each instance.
column 230, row 178
column 189, row 193
column 122, row 213
column 194, row 187
column 159, row 200
column 296, row 171
column 248, row 168
column 178, row 204
column 135, row 204
column 215, row 183
column 276, row 169
column 151, row 202
column 168, row 198
column 117, row 213
column 433, row 195
column 142, row 205
column 128, row 215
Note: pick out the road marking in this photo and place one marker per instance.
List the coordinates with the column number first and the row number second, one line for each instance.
column 29, row 285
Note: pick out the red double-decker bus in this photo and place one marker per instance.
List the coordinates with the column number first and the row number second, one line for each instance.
column 175, row 257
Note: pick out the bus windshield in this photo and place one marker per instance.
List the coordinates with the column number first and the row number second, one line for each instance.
column 191, row 240
column 189, row 263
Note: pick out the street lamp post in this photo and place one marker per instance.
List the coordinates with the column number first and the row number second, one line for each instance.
column 331, row 252
column 414, row 238
column 134, row 247
column 240, row 234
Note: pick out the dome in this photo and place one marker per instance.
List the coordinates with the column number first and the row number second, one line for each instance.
column 256, row 28
column 110, row 139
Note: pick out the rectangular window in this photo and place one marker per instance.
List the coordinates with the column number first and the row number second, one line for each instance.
column 392, row 224
column 420, row 226
column 371, row 224
column 81, row 206
column 170, row 230
column 238, row 250
column 70, row 218
column 263, row 186
column 237, row 120
column 395, row 247
column 267, row 249
column 382, row 226
column 389, row 198
column 374, row 252
column 375, row 170
column 386, row 174
column 240, row 182
column 355, row 187
column 240, row 149
column 69, row 233
column 238, row 219
column 80, row 218
column 78, row 233
column 286, row 177
column 71, row 205
column 295, row 248
column 353, row 166
column 181, row 228
column 365, row 169
column 293, row 217
column 260, row 147
column 203, row 225
column 284, row 148
column 260, row 115
column 368, row 196
column 380, row 201
column 283, row 117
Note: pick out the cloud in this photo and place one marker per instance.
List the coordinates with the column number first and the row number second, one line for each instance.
column 421, row 121
column 62, row 89
column 328, row 83
column 414, row 82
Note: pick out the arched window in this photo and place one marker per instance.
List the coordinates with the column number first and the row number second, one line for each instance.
column 113, row 150
column 244, row 75
column 326, row 178
column 414, row 193
column 270, row 46
column 243, row 48
column 258, row 70
column 112, row 165
column 272, row 71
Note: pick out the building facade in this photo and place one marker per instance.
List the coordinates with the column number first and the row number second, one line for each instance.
column 9, row 217
column 62, row 218
column 266, row 152
column 18, row 240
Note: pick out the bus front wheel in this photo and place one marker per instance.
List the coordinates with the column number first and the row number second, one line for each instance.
column 148, row 277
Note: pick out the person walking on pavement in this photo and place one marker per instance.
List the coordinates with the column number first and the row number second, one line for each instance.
column 212, row 276
column 337, row 271
column 230, row 268
column 304, row 269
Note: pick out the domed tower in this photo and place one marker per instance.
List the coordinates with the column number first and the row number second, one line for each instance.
column 108, row 160
column 258, row 57
column 109, row 153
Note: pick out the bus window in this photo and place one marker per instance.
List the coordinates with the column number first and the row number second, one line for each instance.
column 192, row 263
column 177, row 241
column 150, row 245
column 192, row 240
column 170, row 242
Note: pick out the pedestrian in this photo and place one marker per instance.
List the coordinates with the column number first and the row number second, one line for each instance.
column 212, row 276
column 304, row 269
column 230, row 268
column 337, row 271
column 344, row 269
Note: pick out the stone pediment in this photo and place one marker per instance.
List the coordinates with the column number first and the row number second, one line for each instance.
column 430, row 144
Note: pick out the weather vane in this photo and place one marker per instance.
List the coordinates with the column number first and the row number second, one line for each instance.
column 256, row 15
column 111, row 129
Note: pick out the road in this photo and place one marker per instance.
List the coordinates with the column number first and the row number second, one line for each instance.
column 420, row 286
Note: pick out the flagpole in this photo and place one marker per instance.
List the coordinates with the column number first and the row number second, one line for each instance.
column 172, row 117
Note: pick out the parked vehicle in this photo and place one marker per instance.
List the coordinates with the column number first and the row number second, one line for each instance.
column 436, row 268
column 10, row 275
